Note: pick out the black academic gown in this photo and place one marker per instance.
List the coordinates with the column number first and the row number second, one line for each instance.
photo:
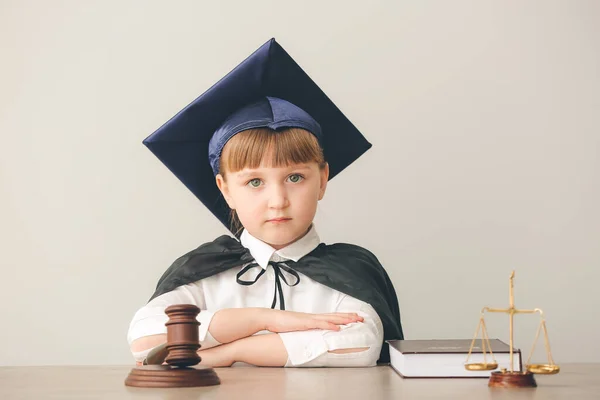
column 347, row 268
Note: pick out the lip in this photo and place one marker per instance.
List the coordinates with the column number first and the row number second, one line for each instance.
column 278, row 220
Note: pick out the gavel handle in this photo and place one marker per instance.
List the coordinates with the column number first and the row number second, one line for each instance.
column 157, row 355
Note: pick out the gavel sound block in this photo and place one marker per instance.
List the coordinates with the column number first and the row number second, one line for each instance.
column 182, row 346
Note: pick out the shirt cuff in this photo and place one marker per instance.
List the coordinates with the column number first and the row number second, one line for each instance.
column 147, row 322
column 303, row 346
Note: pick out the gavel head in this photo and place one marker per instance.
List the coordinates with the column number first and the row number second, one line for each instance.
column 182, row 335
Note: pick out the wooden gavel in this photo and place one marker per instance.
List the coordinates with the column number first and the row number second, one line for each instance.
column 180, row 352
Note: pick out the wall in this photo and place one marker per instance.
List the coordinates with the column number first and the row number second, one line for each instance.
column 483, row 118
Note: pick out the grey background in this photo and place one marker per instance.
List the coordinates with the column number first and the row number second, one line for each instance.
column 484, row 121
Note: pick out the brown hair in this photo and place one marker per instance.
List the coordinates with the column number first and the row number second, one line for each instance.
column 248, row 148
column 290, row 146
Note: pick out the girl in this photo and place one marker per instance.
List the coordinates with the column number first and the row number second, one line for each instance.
column 278, row 296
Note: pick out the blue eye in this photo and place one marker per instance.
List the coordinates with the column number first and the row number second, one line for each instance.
column 295, row 178
column 254, row 182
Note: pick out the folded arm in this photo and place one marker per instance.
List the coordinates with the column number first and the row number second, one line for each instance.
column 356, row 344
column 147, row 329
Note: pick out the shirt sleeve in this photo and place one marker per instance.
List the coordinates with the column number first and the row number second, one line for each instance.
column 312, row 348
column 151, row 318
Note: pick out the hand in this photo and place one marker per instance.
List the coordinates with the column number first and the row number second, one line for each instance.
column 278, row 321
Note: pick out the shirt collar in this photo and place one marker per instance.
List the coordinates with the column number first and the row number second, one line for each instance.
column 263, row 253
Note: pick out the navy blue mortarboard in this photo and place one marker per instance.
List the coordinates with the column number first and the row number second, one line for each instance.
column 268, row 89
column 268, row 112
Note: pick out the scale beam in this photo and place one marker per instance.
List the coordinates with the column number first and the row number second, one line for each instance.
column 509, row 310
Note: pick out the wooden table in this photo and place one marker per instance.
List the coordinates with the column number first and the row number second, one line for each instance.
column 574, row 382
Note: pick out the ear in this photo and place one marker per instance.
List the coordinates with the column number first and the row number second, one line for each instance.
column 222, row 185
column 324, row 179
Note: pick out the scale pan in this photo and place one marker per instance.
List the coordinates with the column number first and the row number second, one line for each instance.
column 481, row 366
column 543, row 369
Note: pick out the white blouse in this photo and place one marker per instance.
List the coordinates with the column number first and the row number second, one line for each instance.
column 305, row 348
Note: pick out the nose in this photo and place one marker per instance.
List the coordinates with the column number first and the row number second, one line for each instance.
column 278, row 197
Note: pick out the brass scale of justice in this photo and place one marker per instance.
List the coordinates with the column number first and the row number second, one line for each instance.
column 504, row 377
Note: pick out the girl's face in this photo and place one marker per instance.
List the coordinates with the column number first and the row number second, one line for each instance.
column 275, row 204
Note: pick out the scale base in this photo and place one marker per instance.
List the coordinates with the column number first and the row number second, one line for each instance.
column 507, row 379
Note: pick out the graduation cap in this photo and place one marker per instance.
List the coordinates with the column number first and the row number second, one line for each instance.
column 268, row 89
